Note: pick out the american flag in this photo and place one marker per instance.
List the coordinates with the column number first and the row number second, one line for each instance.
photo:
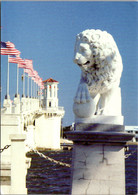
column 8, row 48
column 29, row 72
column 40, row 92
column 16, row 60
column 35, row 73
column 40, row 82
column 36, row 77
column 10, row 45
column 3, row 44
column 29, row 64
column 5, row 51
column 33, row 78
column 21, row 65
column 42, row 87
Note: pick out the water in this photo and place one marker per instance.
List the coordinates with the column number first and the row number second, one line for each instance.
column 131, row 171
column 45, row 177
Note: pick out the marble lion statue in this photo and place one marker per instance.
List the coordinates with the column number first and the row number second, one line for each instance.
column 98, row 57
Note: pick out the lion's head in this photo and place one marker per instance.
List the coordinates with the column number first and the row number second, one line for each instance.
column 97, row 55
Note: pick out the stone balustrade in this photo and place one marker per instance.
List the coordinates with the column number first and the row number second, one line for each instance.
column 58, row 110
column 18, row 106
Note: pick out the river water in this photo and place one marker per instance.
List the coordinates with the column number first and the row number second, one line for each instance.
column 45, row 177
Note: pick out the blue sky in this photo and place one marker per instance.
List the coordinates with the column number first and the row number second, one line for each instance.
column 46, row 31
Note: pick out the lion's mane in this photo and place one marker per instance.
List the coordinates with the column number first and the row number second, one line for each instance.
column 108, row 63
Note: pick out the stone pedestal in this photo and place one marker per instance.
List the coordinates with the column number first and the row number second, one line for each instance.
column 27, row 104
column 23, row 103
column 98, row 165
column 18, row 164
column 10, row 124
column 7, row 104
column 17, row 104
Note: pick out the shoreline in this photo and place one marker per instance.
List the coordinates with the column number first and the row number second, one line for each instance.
column 132, row 143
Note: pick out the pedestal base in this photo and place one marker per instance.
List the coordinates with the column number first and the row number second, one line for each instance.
column 98, row 170
column 101, row 119
column 89, row 137
column 17, row 104
column 98, row 165
column 8, row 105
column 98, row 127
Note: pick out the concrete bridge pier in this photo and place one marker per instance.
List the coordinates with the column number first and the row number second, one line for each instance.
column 98, row 165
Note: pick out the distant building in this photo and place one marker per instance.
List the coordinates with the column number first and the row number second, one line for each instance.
column 50, row 93
column 48, row 125
column 132, row 129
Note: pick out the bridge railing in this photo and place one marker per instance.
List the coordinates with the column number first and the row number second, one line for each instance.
column 18, row 106
column 54, row 109
column 26, row 105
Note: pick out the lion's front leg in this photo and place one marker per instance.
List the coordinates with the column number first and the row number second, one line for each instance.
column 110, row 102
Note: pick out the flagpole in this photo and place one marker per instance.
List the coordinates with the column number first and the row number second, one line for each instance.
column 23, row 83
column 40, row 96
column 17, row 78
column 28, row 87
column 38, row 91
column 8, row 79
column 35, row 90
column 31, row 87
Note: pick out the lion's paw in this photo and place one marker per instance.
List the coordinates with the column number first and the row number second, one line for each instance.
column 82, row 95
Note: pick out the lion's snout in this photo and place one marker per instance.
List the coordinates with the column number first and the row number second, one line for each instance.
column 75, row 61
column 80, row 61
column 77, row 58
